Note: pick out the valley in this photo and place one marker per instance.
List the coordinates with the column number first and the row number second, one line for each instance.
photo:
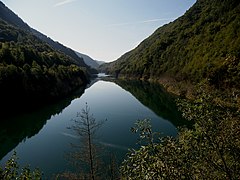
column 168, row 108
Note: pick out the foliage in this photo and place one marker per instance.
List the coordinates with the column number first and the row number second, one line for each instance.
column 11, row 171
column 144, row 128
column 196, row 46
column 208, row 151
column 31, row 70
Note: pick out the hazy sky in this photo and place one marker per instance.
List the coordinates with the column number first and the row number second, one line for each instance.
column 102, row 29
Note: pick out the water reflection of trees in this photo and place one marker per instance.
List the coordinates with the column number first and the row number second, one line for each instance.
column 17, row 127
column 156, row 98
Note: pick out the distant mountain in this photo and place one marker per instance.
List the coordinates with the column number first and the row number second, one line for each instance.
column 88, row 60
column 31, row 70
column 100, row 62
column 203, row 44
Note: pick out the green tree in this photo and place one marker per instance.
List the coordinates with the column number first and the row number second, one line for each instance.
column 11, row 171
column 210, row 150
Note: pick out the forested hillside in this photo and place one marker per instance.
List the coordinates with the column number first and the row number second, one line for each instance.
column 31, row 70
column 88, row 60
column 201, row 48
column 203, row 44
column 10, row 17
column 59, row 47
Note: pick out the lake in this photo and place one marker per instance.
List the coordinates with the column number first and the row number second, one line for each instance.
column 42, row 138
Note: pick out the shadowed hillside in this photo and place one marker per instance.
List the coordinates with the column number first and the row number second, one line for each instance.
column 31, row 71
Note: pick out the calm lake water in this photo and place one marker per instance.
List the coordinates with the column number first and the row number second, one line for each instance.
column 42, row 138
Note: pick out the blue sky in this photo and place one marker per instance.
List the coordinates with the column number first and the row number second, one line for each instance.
column 102, row 29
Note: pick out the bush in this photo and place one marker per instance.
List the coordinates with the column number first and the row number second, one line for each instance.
column 208, row 151
column 11, row 171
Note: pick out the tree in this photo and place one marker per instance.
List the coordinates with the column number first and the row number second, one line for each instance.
column 11, row 171
column 210, row 150
column 86, row 155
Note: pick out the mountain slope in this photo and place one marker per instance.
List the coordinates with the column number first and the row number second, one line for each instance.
column 30, row 70
column 88, row 60
column 59, row 47
column 10, row 17
column 68, row 51
column 202, row 44
column 7, row 15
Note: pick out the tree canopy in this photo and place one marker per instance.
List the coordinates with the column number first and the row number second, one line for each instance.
column 31, row 70
column 202, row 44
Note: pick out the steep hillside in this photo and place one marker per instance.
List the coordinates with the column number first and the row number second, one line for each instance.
column 203, row 44
column 100, row 62
column 88, row 60
column 7, row 15
column 31, row 71
column 59, row 47
column 10, row 17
